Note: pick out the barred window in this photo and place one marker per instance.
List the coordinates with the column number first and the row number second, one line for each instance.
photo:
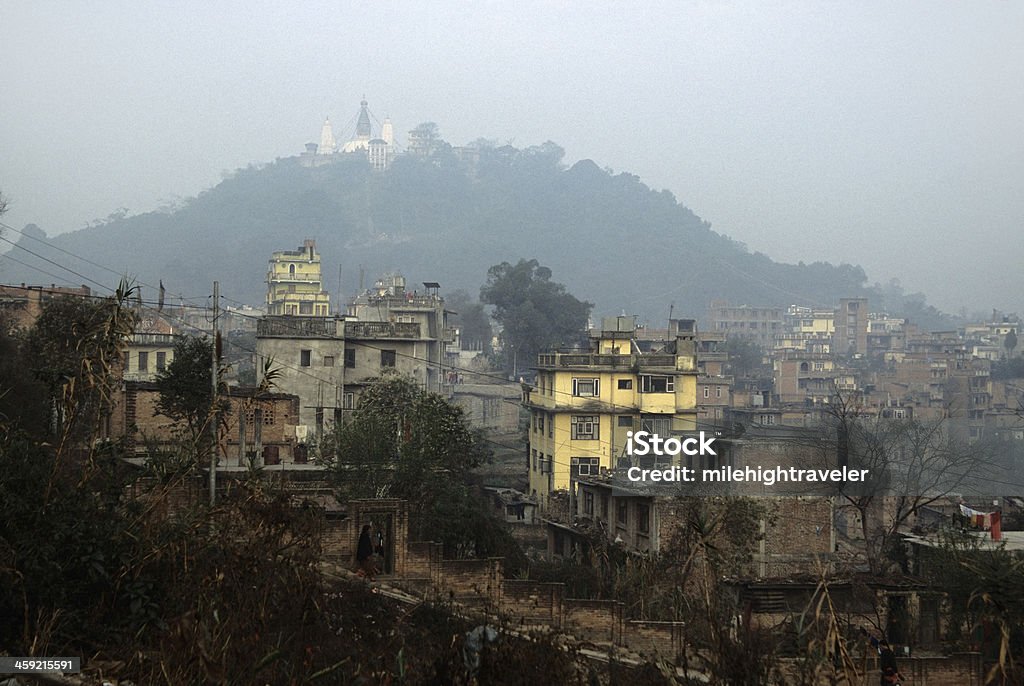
column 585, row 428
column 585, row 466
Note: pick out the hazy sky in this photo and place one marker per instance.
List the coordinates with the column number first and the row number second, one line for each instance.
column 880, row 133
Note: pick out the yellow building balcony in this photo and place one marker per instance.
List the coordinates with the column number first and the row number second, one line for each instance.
column 285, row 277
column 614, row 362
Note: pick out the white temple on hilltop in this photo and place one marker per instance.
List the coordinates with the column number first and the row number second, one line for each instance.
column 379, row 150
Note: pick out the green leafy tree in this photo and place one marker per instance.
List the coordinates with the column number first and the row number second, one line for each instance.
column 471, row 318
column 186, row 392
column 403, row 442
column 745, row 356
column 535, row 312
column 76, row 348
column 23, row 397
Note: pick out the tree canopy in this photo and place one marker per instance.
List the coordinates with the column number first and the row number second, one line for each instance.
column 185, row 387
column 535, row 312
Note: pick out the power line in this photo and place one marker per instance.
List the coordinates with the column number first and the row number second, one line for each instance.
column 86, row 260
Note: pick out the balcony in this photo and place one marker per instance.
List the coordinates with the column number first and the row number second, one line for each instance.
column 153, row 339
column 611, row 361
column 399, row 330
column 292, row 278
column 297, row 327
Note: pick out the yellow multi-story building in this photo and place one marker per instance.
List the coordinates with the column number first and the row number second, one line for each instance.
column 294, row 285
column 584, row 403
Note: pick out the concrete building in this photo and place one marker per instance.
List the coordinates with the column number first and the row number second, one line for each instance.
column 327, row 361
column 309, row 355
column 758, row 324
column 585, row 402
column 151, row 347
column 419, row 349
column 294, row 284
column 851, row 334
column 22, row 304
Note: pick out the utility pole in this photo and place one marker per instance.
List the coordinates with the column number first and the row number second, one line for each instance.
column 213, row 398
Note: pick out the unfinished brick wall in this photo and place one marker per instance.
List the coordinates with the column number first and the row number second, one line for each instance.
column 959, row 669
column 473, row 581
column 338, row 546
column 134, row 417
column 599, row 621
column 797, row 535
column 375, row 511
column 664, row 639
column 423, row 561
column 533, row 602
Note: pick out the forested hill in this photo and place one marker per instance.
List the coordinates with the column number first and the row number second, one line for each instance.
column 608, row 237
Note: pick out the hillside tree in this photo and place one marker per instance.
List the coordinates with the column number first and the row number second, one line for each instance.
column 535, row 313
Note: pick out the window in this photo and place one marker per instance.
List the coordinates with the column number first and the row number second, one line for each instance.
column 328, row 360
column 657, row 384
column 268, row 415
column 586, row 388
column 305, row 357
column 588, row 503
column 161, row 361
column 656, row 425
column 643, row 518
column 604, row 506
column 540, row 422
column 707, row 391
column 622, row 512
column 387, row 358
column 305, row 308
column 625, row 384
column 584, row 428
column 350, row 358
column 551, row 426
column 626, row 421
column 718, row 391
column 143, row 362
column 536, row 462
column 585, row 466
column 348, row 401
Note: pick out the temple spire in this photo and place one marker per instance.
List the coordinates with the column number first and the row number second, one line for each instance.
column 326, row 138
column 363, row 125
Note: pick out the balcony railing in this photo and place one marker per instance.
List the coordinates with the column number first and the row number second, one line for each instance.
column 297, row 327
column 607, row 360
column 156, row 339
column 279, row 277
column 409, row 330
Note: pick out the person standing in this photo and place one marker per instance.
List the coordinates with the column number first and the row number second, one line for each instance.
column 366, row 566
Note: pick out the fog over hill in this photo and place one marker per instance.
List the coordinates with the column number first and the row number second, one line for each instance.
column 611, row 239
